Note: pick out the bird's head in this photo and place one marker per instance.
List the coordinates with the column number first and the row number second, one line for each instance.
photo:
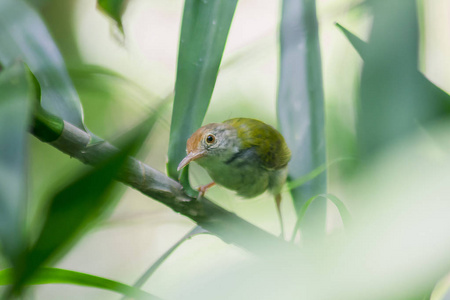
column 211, row 143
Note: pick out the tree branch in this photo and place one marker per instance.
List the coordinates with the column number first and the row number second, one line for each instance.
column 218, row 221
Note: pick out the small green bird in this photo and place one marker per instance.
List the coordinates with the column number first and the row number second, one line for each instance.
column 244, row 155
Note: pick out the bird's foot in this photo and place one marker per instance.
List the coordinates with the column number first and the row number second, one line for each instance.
column 280, row 218
column 203, row 188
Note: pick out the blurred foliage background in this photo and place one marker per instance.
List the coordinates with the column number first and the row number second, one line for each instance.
column 122, row 78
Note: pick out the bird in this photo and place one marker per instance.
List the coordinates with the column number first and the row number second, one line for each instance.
column 241, row 154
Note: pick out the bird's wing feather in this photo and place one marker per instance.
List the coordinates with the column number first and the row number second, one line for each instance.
column 268, row 143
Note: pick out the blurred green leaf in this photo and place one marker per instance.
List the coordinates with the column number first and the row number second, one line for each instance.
column 343, row 212
column 16, row 96
column 90, row 70
column 69, row 213
column 101, row 82
column 76, row 207
column 436, row 95
column 313, row 174
column 357, row 43
column 114, row 9
column 204, row 33
column 61, row 276
column 301, row 107
column 395, row 96
column 24, row 36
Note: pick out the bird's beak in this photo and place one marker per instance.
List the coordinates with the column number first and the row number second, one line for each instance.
column 190, row 157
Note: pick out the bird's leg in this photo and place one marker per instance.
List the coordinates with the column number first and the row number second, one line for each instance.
column 278, row 202
column 203, row 188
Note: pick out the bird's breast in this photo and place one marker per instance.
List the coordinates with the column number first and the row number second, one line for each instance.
column 241, row 173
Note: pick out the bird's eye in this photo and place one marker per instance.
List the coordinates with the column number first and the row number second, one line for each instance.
column 210, row 139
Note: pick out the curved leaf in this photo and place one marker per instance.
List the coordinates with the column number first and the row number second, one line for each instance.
column 204, row 33
column 61, row 276
column 345, row 215
column 313, row 174
column 16, row 95
column 24, row 36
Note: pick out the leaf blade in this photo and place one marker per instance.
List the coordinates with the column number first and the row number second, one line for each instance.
column 343, row 211
column 203, row 36
column 357, row 43
column 16, row 98
column 301, row 107
column 61, row 276
column 24, row 36
column 440, row 96
column 411, row 92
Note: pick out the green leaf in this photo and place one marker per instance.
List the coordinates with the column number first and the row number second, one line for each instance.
column 301, row 107
column 395, row 96
column 345, row 215
column 204, row 32
column 24, row 36
column 95, row 81
column 69, row 213
column 114, row 9
column 357, row 43
column 76, row 207
column 313, row 174
column 436, row 94
column 61, row 276
column 16, row 95
column 391, row 103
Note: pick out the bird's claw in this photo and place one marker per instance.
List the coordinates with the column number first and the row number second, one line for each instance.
column 203, row 188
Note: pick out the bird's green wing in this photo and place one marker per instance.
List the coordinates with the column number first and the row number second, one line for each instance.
column 268, row 143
